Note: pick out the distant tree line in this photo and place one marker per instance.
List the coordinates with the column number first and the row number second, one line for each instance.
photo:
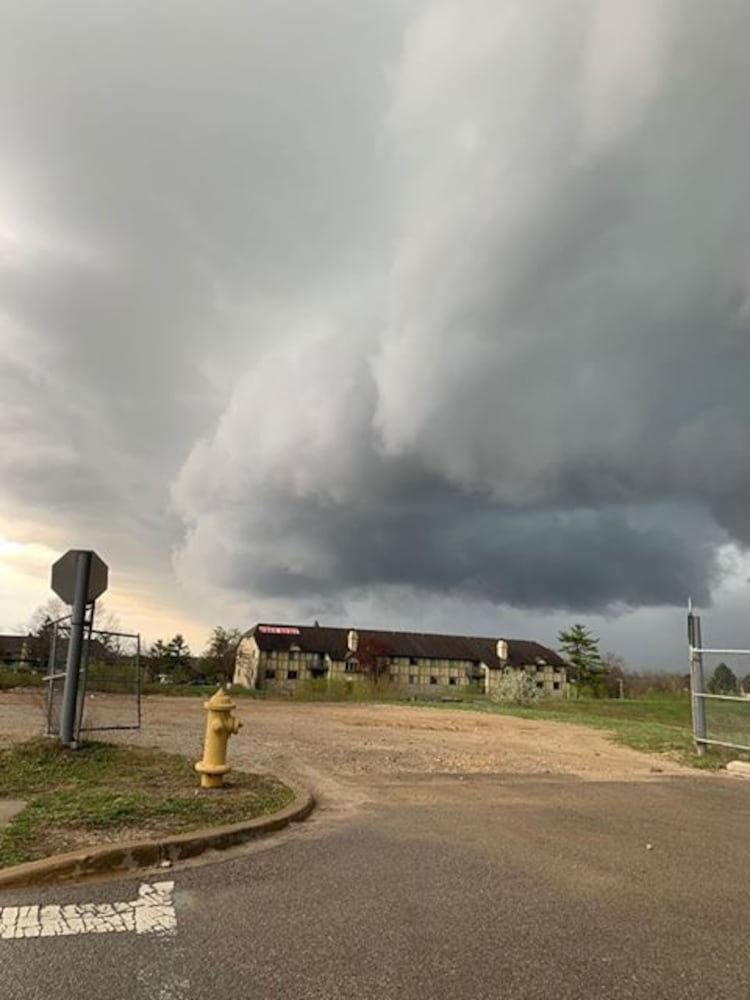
column 606, row 676
column 173, row 662
column 170, row 660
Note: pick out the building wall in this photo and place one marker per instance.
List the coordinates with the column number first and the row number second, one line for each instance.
column 550, row 681
column 282, row 671
column 415, row 674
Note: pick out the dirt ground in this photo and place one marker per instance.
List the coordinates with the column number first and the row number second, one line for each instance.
column 360, row 745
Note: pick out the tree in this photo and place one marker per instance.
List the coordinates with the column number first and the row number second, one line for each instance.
column 581, row 649
column 723, row 680
column 615, row 667
column 107, row 625
column 43, row 618
column 40, row 628
column 179, row 651
column 373, row 658
column 515, row 687
column 217, row 662
column 171, row 658
column 157, row 659
column 47, row 613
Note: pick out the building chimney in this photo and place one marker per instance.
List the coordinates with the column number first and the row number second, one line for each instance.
column 352, row 641
column 502, row 650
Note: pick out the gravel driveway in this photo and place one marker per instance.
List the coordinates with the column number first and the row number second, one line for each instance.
column 359, row 745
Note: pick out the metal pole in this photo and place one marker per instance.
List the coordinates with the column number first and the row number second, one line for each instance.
column 697, row 683
column 138, row 675
column 88, row 624
column 75, row 647
column 51, row 664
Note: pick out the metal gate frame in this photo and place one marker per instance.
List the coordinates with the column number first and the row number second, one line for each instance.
column 698, row 694
column 55, row 676
column 138, row 683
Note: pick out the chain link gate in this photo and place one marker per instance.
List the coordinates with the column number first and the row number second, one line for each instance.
column 718, row 719
column 109, row 689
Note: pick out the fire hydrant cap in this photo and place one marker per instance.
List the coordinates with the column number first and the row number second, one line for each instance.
column 219, row 702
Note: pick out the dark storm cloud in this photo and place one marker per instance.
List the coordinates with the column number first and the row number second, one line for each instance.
column 164, row 177
column 446, row 297
column 472, row 548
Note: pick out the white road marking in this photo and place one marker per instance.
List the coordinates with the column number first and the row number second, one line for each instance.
column 152, row 912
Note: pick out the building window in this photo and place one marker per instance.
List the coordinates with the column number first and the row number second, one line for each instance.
column 293, row 654
column 351, row 666
column 291, row 675
column 270, row 675
column 556, row 685
column 413, row 679
column 452, row 681
column 540, row 685
column 413, row 660
column 433, row 680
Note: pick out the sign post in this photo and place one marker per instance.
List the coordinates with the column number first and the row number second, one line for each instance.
column 78, row 577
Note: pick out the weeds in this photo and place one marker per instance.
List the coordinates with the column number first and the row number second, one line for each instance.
column 77, row 797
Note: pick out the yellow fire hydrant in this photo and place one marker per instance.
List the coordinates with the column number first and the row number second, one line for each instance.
column 220, row 725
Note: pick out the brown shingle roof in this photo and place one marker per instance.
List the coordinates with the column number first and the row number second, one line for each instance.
column 421, row 645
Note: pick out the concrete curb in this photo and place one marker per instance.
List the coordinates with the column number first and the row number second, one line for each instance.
column 129, row 856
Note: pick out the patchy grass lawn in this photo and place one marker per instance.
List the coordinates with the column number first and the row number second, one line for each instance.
column 103, row 793
column 655, row 725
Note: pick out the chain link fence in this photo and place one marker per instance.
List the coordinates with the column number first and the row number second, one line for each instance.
column 110, row 682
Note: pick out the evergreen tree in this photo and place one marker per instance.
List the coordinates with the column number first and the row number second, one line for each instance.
column 581, row 649
column 723, row 680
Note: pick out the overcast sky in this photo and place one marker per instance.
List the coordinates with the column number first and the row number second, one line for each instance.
column 432, row 315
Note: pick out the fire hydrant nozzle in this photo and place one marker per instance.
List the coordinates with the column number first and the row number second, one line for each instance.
column 220, row 725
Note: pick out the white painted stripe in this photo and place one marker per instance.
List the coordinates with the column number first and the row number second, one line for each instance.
column 152, row 912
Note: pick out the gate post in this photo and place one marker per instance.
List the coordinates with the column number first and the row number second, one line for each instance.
column 697, row 683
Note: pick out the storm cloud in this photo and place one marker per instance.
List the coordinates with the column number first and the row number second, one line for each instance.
column 323, row 301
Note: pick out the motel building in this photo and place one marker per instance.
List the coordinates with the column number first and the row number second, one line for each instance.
column 281, row 657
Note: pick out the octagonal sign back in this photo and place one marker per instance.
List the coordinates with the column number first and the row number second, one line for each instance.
column 64, row 576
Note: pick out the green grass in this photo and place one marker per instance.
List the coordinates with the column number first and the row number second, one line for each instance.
column 728, row 721
column 21, row 678
column 103, row 793
column 658, row 725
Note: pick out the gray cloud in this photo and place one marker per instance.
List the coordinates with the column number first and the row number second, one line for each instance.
column 167, row 180
column 337, row 300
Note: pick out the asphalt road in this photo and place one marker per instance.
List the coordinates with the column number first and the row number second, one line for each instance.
column 441, row 887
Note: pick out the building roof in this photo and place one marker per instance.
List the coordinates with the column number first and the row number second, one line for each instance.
column 421, row 645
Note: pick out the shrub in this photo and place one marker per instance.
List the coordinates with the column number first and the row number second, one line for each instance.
column 516, row 687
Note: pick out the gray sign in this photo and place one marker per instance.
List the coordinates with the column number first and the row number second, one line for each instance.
column 64, row 576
